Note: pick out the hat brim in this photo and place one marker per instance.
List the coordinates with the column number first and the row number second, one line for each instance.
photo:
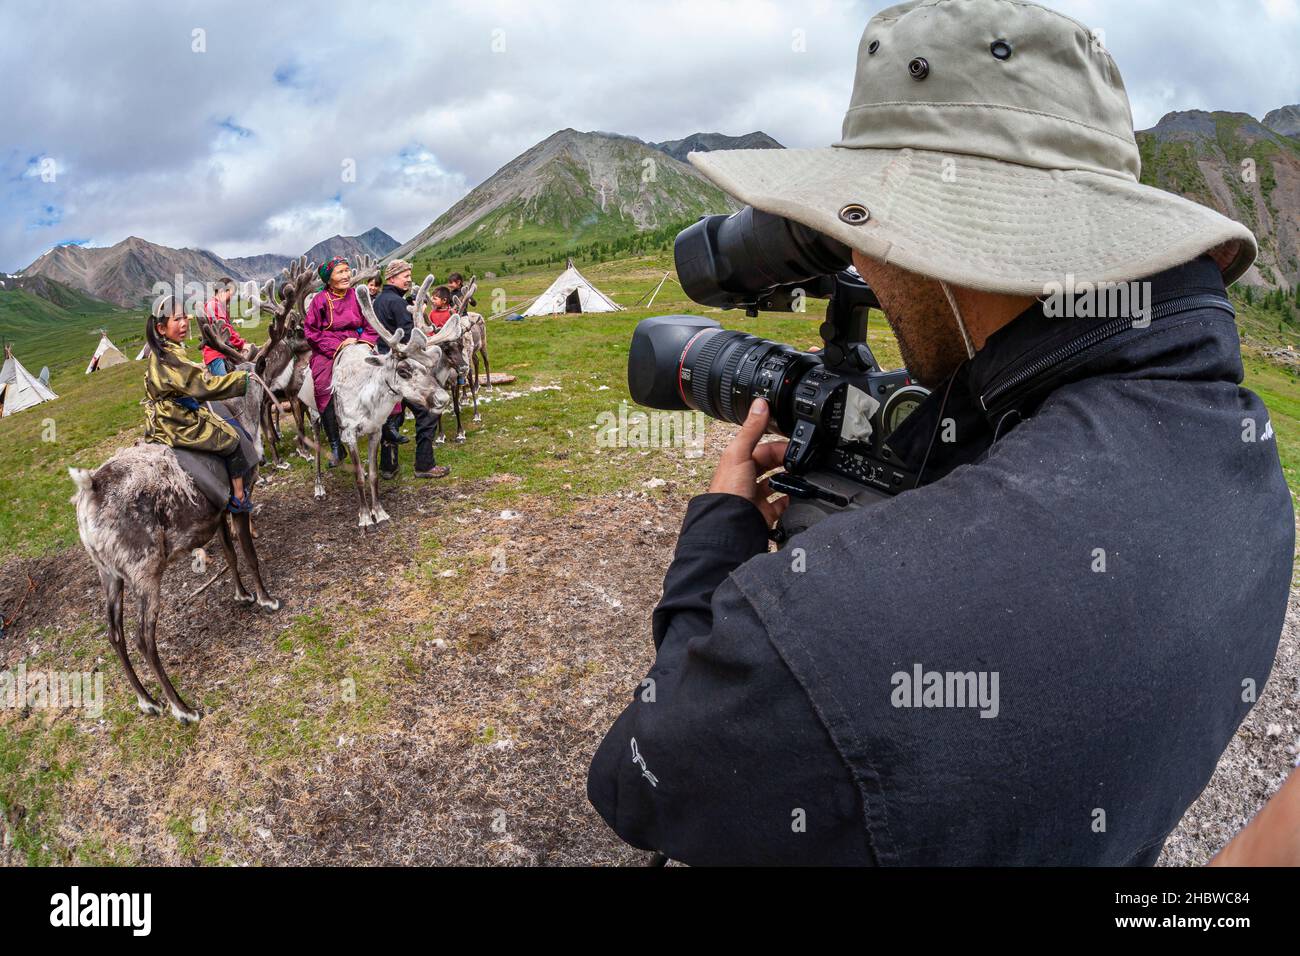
column 983, row 223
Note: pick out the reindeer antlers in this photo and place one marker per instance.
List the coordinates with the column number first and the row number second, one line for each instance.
column 367, row 268
column 217, row 337
column 434, row 337
column 412, row 349
column 417, row 309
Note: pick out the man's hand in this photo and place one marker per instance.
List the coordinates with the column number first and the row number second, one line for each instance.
column 745, row 459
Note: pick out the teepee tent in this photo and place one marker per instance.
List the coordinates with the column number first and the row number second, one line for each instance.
column 572, row 293
column 19, row 389
column 106, row 356
column 144, row 352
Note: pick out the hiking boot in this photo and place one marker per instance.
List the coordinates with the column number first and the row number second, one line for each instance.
column 440, row 471
column 337, row 455
column 388, row 475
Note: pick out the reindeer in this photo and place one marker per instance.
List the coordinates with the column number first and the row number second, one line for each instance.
column 135, row 513
column 475, row 327
column 366, row 385
column 463, row 353
column 284, row 360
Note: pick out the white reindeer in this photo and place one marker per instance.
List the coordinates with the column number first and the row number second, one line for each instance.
column 367, row 385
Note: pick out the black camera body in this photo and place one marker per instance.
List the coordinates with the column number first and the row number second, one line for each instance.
column 837, row 406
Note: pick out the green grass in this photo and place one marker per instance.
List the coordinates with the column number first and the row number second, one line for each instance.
column 33, row 766
column 63, row 336
column 1281, row 393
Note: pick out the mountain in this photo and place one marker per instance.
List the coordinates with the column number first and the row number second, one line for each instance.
column 375, row 243
column 1245, row 169
column 125, row 274
column 570, row 189
column 55, row 293
column 1285, row 121
column 707, row 142
column 261, row 267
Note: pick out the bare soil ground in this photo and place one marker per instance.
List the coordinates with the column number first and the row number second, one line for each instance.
column 431, row 694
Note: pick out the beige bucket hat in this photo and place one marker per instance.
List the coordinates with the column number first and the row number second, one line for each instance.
column 989, row 144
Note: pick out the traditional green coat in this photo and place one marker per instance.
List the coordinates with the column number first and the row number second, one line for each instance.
column 168, row 422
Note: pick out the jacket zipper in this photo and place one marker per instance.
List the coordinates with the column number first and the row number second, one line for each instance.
column 1016, row 377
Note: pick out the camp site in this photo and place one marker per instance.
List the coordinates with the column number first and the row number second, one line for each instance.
column 461, row 460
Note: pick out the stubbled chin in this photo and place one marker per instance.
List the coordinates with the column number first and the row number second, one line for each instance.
column 929, row 363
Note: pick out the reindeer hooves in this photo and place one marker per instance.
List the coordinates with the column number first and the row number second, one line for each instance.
column 185, row 716
column 319, row 493
column 460, row 437
column 440, row 440
column 283, row 466
column 244, row 598
column 148, row 707
column 270, row 605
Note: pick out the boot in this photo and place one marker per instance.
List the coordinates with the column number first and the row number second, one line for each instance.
column 330, row 423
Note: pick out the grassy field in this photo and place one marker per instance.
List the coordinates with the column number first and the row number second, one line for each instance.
column 63, row 335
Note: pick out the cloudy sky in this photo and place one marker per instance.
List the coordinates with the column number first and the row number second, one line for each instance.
column 233, row 126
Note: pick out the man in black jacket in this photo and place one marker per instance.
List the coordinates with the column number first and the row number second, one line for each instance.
column 394, row 313
column 1037, row 655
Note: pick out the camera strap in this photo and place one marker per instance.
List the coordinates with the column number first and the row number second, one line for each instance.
column 952, row 303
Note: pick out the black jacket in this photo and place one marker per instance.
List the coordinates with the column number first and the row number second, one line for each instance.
column 393, row 313
column 1120, row 557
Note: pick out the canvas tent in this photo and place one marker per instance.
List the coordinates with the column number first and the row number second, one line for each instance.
column 144, row 351
column 19, row 389
column 572, row 293
column 106, row 356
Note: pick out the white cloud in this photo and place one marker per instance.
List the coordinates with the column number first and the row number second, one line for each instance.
column 239, row 149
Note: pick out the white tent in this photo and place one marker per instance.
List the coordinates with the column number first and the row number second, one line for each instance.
column 106, row 356
column 572, row 293
column 144, row 352
column 18, row 388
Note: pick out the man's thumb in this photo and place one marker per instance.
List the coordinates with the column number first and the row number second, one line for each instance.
column 751, row 431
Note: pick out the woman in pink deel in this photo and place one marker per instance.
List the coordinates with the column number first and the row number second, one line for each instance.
column 333, row 320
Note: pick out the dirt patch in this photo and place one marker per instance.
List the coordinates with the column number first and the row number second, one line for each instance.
column 430, row 694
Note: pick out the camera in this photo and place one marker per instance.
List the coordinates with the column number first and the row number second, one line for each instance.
column 836, row 406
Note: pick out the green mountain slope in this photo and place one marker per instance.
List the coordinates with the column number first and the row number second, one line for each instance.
column 589, row 195
column 1247, row 171
column 59, row 328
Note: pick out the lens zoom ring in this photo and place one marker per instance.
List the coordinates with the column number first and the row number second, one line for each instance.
column 701, row 371
column 727, row 377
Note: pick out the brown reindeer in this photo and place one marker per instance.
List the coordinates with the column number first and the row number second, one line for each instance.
column 139, row 510
column 463, row 355
column 284, row 360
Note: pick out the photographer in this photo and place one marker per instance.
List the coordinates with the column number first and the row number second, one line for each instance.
column 1037, row 651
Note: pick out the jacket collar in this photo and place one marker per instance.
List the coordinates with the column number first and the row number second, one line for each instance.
column 1034, row 333
column 1197, row 343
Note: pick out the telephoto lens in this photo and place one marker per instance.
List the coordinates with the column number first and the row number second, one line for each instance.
column 686, row 362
